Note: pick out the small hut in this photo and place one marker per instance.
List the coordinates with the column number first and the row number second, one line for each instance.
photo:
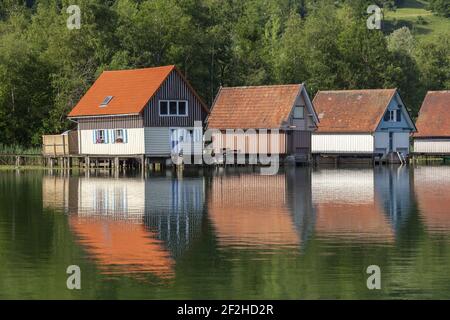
column 433, row 125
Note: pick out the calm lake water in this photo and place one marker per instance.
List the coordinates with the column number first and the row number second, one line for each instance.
column 301, row 234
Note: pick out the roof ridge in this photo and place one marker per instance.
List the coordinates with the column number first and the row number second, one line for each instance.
column 142, row 69
column 263, row 86
column 356, row 90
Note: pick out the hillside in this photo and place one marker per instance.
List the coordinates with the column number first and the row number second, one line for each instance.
column 414, row 14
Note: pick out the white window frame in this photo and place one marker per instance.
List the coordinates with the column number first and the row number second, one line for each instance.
column 303, row 113
column 178, row 110
column 97, row 136
column 116, row 136
column 393, row 115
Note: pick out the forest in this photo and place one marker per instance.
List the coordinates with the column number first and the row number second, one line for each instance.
column 45, row 67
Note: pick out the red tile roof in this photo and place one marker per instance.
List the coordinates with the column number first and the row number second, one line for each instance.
column 253, row 107
column 351, row 110
column 131, row 91
column 434, row 115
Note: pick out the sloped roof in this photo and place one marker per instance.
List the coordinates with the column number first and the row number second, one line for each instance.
column 434, row 115
column 351, row 110
column 253, row 107
column 131, row 90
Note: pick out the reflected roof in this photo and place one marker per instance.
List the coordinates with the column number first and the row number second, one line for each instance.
column 347, row 206
column 121, row 247
column 251, row 210
column 432, row 186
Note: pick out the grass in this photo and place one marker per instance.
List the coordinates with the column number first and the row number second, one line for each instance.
column 18, row 150
column 408, row 14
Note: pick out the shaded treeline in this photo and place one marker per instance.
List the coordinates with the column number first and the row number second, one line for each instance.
column 45, row 67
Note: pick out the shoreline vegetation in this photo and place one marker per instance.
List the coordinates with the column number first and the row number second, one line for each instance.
column 45, row 67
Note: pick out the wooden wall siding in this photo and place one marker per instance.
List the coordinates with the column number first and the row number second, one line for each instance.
column 174, row 88
column 258, row 143
column 119, row 122
column 157, row 141
column 432, row 146
column 73, row 142
column 342, row 143
column 299, row 142
column 400, row 142
column 134, row 146
column 55, row 145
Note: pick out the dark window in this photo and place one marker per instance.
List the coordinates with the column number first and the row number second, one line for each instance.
column 299, row 112
column 163, row 108
column 386, row 116
column 182, row 108
column 173, row 108
column 399, row 115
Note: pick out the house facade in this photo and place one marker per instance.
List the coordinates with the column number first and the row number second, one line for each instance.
column 362, row 122
column 275, row 119
column 433, row 125
column 146, row 112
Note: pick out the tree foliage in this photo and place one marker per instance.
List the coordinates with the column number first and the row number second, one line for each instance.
column 45, row 68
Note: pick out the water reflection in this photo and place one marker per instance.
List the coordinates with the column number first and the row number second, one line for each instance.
column 432, row 191
column 130, row 225
column 137, row 226
column 348, row 206
column 122, row 247
column 251, row 210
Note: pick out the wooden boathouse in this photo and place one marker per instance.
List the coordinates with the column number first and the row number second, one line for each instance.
column 433, row 126
column 140, row 116
column 262, row 110
column 361, row 126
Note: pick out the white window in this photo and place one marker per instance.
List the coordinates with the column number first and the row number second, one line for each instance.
column 177, row 108
column 119, row 136
column 299, row 112
column 100, row 136
column 392, row 115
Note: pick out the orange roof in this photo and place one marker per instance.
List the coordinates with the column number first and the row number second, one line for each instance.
column 434, row 115
column 253, row 107
column 351, row 110
column 131, row 90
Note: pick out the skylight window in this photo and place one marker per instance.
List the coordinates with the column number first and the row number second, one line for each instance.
column 106, row 101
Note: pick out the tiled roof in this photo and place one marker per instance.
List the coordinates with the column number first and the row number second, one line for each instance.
column 253, row 107
column 434, row 115
column 130, row 89
column 351, row 110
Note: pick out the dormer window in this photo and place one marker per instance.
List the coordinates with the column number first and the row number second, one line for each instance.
column 106, row 101
column 393, row 115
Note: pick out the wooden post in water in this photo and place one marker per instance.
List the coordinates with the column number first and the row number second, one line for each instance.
column 17, row 161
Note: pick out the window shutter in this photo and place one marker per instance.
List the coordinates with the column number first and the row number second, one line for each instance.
column 386, row 116
column 399, row 115
column 94, row 136
column 113, row 136
column 125, row 135
column 106, row 136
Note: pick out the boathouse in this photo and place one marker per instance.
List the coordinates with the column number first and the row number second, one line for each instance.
column 357, row 124
column 275, row 119
column 141, row 114
column 433, row 125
